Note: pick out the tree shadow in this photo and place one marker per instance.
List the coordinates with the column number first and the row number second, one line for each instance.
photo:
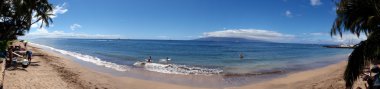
column 16, row 69
column 35, row 62
column 38, row 54
column 20, row 67
column 34, row 65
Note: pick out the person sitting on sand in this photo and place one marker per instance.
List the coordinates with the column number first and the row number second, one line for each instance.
column 376, row 78
column 373, row 82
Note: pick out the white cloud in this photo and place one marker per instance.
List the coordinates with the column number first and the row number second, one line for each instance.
column 251, row 34
column 288, row 13
column 163, row 37
column 267, row 35
column 75, row 26
column 59, row 9
column 348, row 38
column 44, row 33
column 34, row 25
column 42, row 30
column 325, row 38
column 315, row 2
column 317, row 34
column 189, row 36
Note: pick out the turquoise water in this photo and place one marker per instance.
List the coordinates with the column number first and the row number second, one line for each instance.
column 196, row 57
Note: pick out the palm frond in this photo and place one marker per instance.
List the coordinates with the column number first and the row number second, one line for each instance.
column 356, row 63
column 16, row 16
column 356, row 16
column 366, row 52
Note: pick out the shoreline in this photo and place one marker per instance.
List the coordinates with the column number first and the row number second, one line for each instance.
column 320, row 78
column 328, row 77
column 72, row 75
column 50, row 70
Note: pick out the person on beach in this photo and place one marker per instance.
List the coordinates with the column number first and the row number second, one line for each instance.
column 17, row 48
column 376, row 78
column 29, row 55
column 10, row 56
column 25, row 45
column 373, row 81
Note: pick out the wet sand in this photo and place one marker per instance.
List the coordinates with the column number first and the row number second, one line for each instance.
column 329, row 77
column 50, row 70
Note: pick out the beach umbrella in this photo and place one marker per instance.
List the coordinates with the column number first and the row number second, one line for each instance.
column 356, row 17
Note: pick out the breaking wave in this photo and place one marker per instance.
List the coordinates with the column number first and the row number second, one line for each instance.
column 86, row 58
column 177, row 69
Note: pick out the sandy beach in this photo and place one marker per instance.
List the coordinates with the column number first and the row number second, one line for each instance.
column 53, row 71
column 50, row 70
column 189, row 44
column 329, row 77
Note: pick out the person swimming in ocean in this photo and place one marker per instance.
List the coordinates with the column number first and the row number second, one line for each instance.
column 167, row 60
column 149, row 59
column 241, row 56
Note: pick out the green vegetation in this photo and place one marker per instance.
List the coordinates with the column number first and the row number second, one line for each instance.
column 17, row 16
column 357, row 17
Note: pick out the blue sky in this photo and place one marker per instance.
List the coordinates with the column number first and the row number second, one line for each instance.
column 301, row 21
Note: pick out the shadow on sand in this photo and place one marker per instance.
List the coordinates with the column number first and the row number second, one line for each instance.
column 19, row 66
column 16, row 69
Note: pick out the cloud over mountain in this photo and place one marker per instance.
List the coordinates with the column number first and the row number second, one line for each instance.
column 256, row 34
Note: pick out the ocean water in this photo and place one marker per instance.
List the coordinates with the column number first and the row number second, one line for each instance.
column 195, row 57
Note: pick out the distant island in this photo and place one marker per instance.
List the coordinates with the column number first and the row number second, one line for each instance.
column 229, row 39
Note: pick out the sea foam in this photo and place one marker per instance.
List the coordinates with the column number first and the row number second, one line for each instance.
column 86, row 58
column 178, row 69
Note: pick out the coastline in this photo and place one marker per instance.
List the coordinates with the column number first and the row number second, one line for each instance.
column 60, row 72
column 328, row 77
column 320, row 78
column 53, row 71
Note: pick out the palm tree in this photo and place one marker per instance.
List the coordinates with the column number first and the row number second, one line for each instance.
column 16, row 18
column 356, row 17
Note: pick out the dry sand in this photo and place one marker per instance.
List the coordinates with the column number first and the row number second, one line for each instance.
column 329, row 77
column 53, row 71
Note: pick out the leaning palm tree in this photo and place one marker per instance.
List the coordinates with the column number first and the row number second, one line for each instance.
column 357, row 17
column 17, row 16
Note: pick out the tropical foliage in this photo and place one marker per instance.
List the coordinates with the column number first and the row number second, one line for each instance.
column 356, row 17
column 17, row 16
